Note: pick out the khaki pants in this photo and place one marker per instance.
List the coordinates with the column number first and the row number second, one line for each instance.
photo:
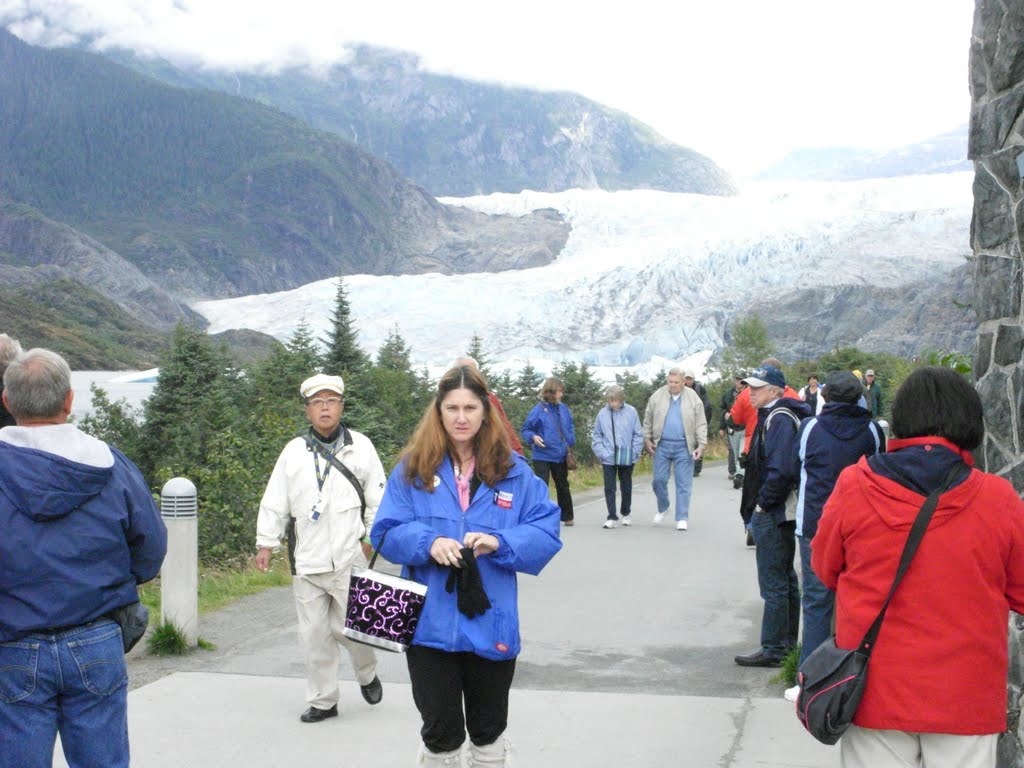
column 321, row 601
column 871, row 748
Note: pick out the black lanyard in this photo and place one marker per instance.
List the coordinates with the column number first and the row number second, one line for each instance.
column 322, row 478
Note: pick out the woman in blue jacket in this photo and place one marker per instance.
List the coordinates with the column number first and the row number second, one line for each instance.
column 617, row 440
column 549, row 432
column 460, row 498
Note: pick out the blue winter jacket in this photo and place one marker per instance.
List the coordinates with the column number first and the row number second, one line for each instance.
column 77, row 537
column 543, row 420
column 517, row 511
column 826, row 444
column 771, row 472
column 622, row 429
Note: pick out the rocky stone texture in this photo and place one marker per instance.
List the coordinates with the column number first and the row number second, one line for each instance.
column 996, row 145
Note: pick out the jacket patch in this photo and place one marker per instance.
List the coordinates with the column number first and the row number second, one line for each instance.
column 501, row 647
column 503, row 499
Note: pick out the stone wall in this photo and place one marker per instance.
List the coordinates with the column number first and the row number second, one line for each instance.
column 997, row 240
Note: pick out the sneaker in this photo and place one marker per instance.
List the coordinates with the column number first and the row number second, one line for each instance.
column 659, row 517
column 568, row 522
column 610, row 524
column 681, row 525
column 790, row 694
column 625, row 521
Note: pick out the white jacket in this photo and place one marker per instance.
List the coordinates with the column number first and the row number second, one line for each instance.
column 332, row 542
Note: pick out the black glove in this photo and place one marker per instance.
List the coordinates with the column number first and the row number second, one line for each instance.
column 472, row 600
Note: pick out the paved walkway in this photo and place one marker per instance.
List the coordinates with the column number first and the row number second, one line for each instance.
column 629, row 636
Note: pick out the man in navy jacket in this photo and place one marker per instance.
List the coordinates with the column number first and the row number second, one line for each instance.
column 80, row 532
column 826, row 444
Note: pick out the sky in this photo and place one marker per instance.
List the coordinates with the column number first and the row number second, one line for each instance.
column 744, row 81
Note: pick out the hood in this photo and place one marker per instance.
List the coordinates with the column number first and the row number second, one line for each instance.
column 897, row 505
column 844, row 421
column 48, row 472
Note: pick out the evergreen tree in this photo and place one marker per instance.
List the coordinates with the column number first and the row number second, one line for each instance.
column 584, row 395
column 196, row 396
column 527, row 384
column 476, row 351
column 343, row 356
column 394, row 353
column 749, row 345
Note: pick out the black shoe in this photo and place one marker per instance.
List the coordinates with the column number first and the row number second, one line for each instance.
column 758, row 659
column 737, row 481
column 750, row 538
column 373, row 691
column 314, row 715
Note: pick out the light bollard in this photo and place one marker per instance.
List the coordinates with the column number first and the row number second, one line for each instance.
column 179, row 576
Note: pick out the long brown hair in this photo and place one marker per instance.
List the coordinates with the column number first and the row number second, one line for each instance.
column 426, row 448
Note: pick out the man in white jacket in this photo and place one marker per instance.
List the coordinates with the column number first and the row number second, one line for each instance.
column 322, row 497
column 675, row 433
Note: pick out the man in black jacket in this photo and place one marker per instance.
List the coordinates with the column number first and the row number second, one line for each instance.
column 690, row 381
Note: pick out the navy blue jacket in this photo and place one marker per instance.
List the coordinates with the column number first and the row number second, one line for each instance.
column 826, row 444
column 78, row 533
column 771, row 474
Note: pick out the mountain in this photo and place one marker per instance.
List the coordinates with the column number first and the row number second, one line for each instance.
column 946, row 153
column 457, row 137
column 215, row 195
column 645, row 274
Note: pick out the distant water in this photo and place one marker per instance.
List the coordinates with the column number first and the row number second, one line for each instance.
column 134, row 392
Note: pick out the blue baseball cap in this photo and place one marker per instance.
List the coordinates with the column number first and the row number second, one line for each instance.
column 764, row 376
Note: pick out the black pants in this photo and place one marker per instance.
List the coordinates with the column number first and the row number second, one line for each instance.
column 442, row 680
column 560, row 474
column 625, row 475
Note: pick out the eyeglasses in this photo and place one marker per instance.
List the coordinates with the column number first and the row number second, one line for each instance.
column 320, row 402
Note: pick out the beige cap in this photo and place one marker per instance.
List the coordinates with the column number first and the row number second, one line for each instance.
column 322, row 381
column 869, row 372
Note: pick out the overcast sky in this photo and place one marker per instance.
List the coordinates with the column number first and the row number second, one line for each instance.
column 743, row 81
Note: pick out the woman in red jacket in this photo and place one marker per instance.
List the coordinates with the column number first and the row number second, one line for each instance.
column 936, row 688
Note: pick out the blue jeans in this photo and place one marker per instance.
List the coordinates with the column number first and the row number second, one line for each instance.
column 74, row 682
column 776, row 577
column 625, row 475
column 667, row 454
column 818, row 601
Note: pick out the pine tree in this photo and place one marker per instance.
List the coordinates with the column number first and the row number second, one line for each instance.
column 394, row 353
column 749, row 346
column 343, row 356
column 476, row 351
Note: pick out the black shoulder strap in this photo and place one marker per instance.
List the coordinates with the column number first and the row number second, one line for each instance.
column 316, row 446
column 910, row 549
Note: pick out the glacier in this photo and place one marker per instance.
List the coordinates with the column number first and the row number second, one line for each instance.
column 647, row 278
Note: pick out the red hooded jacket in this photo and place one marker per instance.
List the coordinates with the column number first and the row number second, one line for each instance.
column 940, row 662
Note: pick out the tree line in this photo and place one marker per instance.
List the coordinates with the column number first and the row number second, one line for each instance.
column 222, row 424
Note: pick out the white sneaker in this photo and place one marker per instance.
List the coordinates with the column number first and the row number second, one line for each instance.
column 790, row 694
column 681, row 525
column 659, row 517
column 625, row 521
column 610, row 524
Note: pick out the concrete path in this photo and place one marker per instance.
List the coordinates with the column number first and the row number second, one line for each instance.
column 629, row 638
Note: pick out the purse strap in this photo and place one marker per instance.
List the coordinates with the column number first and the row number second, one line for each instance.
column 921, row 522
column 558, row 423
column 316, row 446
column 377, row 550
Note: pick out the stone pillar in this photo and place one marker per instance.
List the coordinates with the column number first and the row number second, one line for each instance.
column 996, row 146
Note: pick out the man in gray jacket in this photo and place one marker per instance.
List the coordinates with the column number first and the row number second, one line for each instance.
column 675, row 433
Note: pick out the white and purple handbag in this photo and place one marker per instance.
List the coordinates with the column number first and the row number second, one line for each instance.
column 383, row 610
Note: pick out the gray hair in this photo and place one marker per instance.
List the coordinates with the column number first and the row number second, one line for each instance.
column 677, row 371
column 9, row 349
column 37, row 384
column 616, row 393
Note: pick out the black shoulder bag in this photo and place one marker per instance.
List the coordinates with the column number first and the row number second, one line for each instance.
column 832, row 679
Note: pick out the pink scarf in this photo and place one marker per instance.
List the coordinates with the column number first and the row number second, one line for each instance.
column 462, row 482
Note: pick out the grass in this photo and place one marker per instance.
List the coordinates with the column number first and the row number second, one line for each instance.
column 790, row 665
column 223, row 584
column 167, row 640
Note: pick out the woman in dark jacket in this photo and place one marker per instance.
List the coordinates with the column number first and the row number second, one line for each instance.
column 548, row 430
column 936, row 692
